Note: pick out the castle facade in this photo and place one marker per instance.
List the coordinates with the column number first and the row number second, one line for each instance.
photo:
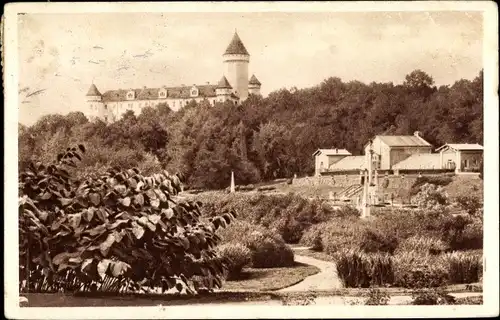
column 234, row 86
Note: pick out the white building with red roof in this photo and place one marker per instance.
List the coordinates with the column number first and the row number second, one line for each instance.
column 234, row 86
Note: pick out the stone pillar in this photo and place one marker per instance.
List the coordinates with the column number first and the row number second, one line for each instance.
column 232, row 182
column 370, row 163
column 366, row 201
column 458, row 160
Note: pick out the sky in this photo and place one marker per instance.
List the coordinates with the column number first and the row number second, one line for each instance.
column 63, row 54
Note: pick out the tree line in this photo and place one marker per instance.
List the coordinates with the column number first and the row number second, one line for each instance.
column 264, row 138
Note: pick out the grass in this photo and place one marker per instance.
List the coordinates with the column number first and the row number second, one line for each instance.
column 270, row 279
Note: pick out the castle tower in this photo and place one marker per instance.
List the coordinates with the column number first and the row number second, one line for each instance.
column 223, row 90
column 236, row 59
column 254, row 85
column 95, row 106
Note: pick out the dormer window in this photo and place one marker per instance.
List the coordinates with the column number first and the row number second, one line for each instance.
column 194, row 92
column 130, row 95
column 162, row 94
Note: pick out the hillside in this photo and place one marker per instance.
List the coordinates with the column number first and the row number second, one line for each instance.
column 265, row 138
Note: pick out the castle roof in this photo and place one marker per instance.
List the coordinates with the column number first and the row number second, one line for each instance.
column 183, row 92
column 224, row 84
column 254, row 80
column 93, row 91
column 236, row 46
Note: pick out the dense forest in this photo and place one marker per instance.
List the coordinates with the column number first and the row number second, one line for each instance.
column 264, row 138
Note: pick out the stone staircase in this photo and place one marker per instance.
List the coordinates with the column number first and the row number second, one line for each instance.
column 350, row 191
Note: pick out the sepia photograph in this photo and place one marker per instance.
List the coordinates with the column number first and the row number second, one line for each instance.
column 208, row 160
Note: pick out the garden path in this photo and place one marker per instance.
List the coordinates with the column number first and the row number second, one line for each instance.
column 326, row 279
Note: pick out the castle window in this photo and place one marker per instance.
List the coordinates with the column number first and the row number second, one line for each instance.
column 105, row 107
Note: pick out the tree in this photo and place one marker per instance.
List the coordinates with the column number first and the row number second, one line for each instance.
column 418, row 79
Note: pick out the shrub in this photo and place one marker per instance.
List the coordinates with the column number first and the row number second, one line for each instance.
column 404, row 224
column 474, row 300
column 452, row 230
column 431, row 197
column 312, row 237
column 377, row 298
column 353, row 268
column 471, row 237
column 290, row 215
column 438, row 181
column 236, row 257
column 470, row 204
column 342, row 234
column 239, row 230
column 382, row 270
column 268, row 251
column 376, row 241
column 358, row 269
column 432, row 297
column 422, row 245
column 414, row 270
column 463, row 267
column 346, row 211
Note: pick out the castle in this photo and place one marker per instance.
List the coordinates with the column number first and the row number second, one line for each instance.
column 234, row 86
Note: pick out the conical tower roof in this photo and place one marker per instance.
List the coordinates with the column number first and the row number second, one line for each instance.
column 93, row 91
column 236, row 46
column 224, row 84
column 254, row 80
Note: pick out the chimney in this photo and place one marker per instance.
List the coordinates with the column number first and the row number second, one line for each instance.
column 336, row 150
column 417, row 134
column 208, row 82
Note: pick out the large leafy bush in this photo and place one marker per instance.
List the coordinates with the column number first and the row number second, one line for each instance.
column 116, row 231
column 235, row 256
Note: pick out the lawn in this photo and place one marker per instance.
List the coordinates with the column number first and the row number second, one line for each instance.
column 270, row 279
